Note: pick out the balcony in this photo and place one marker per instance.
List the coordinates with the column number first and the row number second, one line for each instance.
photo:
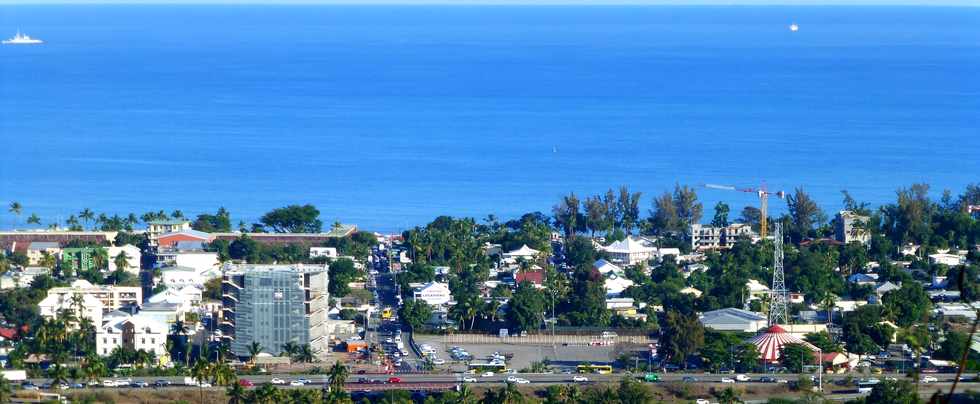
column 230, row 297
column 228, row 282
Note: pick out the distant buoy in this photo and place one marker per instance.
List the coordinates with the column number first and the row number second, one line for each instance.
column 794, row 27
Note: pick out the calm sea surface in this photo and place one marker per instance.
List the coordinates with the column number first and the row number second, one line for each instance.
column 388, row 116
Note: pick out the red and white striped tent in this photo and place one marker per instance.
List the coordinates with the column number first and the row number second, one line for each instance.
column 770, row 343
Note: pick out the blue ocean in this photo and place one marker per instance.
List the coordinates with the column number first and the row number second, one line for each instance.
column 387, row 116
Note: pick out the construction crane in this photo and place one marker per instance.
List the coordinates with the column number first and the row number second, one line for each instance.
column 763, row 194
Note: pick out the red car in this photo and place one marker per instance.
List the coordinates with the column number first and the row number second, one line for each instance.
column 394, row 380
column 245, row 383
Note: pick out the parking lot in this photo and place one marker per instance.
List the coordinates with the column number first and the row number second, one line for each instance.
column 524, row 354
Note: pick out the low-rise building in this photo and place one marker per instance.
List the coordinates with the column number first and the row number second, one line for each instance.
column 157, row 228
column 179, row 277
column 732, row 319
column 133, row 257
column 81, row 304
column 136, row 332
column 946, row 259
column 433, row 293
column 172, row 240
column 630, row 251
column 112, row 297
column 327, row 252
column 718, row 237
column 82, row 259
column 22, row 278
column 851, row 227
column 188, row 298
column 38, row 249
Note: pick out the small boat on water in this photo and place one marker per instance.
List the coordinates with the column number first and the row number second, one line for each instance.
column 21, row 39
column 794, row 27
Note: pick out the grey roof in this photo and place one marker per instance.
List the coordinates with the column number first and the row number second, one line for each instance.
column 160, row 306
column 189, row 245
column 43, row 245
column 728, row 314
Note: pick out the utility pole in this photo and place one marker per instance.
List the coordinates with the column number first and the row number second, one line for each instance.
column 778, row 305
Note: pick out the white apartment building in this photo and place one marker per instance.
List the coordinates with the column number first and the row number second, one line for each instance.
column 179, row 277
column 112, row 297
column 846, row 229
column 712, row 238
column 158, row 228
column 133, row 257
column 89, row 307
column 133, row 332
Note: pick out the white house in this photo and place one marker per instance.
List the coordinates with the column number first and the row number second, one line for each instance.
column 757, row 290
column 525, row 252
column 434, row 293
column 133, row 257
column 188, row 297
column 946, row 259
column 630, row 251
column 112, row 297
column 90, row 307
column 691, row 291
column 329, row 252
column 616, row 284
column 133, row 332
column 605, row 267
column 23, row 278
column 204, row 262
column 732, row 319
column 179, row 277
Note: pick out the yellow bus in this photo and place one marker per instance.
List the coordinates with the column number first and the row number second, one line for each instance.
column 600, row 369
column 387, row 313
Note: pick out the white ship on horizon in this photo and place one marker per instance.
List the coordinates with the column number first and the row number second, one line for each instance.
column 21, row 39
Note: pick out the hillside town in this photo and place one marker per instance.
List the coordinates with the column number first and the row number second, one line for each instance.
column 594, row 296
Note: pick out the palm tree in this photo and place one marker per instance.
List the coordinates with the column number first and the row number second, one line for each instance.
column 100, row 259
column 6, row 390
column 289, row 349
column 93, row 368
column 254, row 349
column 236, row 394
column 828, row 302
column 16, row 209
column 465, row 395
column 338, row 377
column 72, row 223
column 304, row 353
column 34, row 219
column 87, row 215
column 267, row 394
column 58, row 374
column 223, row 375
column 121, row 261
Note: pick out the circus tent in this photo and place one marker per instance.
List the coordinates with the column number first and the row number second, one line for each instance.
column 770, row 343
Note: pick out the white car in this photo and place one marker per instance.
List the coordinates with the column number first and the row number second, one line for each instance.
column 276, row 380
column 296, row 383
column 522, row 381
column 487, row 374
column 205, row 385
column 703, row 401
column 389, row 340
column 512, row 379
column 108, row 383
column 741, row 378
column 929, row 379
column 438, row 361
column 469, row 379
column 580, row 379
column 727, row 380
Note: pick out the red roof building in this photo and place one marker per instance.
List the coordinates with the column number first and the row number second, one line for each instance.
column 535, row 277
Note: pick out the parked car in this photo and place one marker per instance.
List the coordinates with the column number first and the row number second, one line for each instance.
column 161, row 383
column 702, row 401
column 511, row 379
column 139, row 384
column 727, row 380
column 487, row 374
column 929, row 379
column 245, row 383
column 767, row 379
